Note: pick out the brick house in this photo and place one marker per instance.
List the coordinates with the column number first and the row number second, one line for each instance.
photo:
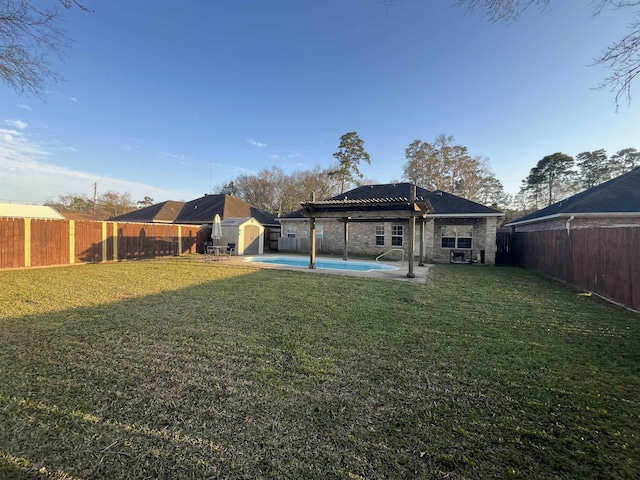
column 370, row 220
column 614, row 203
column 590, row 240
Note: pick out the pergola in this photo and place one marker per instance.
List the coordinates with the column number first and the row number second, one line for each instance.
column 370, row 210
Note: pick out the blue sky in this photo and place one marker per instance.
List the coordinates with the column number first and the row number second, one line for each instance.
column 169, row 99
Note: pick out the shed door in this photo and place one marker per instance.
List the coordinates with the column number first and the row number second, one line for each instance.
column 251, row 240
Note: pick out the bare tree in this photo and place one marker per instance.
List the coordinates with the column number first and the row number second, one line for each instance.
column 72, row 203
column 112, row 204
column 29, row 36
column 622, row 58
column 109, row 204
column 443, row 165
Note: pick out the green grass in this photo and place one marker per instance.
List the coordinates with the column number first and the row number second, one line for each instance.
column 181, row 369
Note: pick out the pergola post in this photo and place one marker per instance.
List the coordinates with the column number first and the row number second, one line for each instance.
column 312, row 237
column 312, row 242
column 346, row 239
column 412, row 231
column 421, row 262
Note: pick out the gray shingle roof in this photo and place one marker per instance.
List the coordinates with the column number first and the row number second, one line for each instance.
column 443, row 203
column 618, row 195
column 198, row 211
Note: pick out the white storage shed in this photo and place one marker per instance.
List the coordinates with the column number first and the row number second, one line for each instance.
column 246, row 233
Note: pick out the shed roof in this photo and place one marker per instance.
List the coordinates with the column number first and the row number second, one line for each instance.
column 235, row 222
column 619, row 195
column 16, row 210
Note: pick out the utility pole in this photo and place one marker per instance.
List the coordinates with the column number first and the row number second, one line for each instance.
column 95, row 197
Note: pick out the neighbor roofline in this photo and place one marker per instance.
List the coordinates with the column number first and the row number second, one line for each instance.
column 573, row 214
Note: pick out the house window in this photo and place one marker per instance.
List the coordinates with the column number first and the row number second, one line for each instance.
column 379, row 235
column 291, row 232
column 397, row 233
column 319, row 232
column 457, row 236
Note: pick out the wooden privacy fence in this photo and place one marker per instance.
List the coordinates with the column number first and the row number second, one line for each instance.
column 297, row 245
column 28, row 242
column 605, row 261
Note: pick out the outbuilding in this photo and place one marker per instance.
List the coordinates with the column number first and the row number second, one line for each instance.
column 246, row 233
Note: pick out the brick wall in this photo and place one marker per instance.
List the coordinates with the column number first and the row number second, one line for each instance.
column 483, row 238
column 362, row 237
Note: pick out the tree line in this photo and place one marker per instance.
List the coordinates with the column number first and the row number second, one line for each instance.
column 438, row 165
column 441, row 164
column 274, row 191
column 558, row 176
column 106, row 205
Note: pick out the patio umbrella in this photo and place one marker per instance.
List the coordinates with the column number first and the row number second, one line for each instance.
column 216, row 230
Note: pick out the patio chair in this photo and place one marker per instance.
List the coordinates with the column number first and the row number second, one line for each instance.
column 231, row 249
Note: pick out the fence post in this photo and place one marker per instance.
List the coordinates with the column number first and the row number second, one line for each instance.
column 72, row 241
column 179, row 240
column 27, row 242
column 115, row 241
column 104, row 242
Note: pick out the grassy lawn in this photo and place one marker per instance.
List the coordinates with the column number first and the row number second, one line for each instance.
column 179, row 369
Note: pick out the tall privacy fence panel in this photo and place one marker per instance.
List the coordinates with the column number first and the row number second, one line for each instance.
column 28, row 242
column 297, row 245
column 603, row 260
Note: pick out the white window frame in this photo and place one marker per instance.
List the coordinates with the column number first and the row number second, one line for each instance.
column 379, row 233
column 395, row 235
column 291, row 232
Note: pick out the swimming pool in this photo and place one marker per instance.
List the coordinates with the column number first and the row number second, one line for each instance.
column 321, row 263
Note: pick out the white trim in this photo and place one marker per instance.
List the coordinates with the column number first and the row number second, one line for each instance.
column 431, row 215
column 464, row 215
column 576, row 215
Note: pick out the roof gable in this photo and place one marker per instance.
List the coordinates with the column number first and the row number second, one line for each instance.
column 618, row 195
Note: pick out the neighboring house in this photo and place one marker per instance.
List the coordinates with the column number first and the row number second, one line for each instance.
column 610, row 204
column 453, row 224
column 199, row 211
column 164, row 212
column 202, row 211
column 16, row 210
column 590, row 240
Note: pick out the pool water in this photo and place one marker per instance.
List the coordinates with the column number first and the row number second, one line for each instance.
column 322, row 263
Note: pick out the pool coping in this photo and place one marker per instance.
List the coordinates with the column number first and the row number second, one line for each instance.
column 399, row 274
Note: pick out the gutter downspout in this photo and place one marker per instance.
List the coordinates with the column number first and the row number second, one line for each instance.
column 568, row 227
